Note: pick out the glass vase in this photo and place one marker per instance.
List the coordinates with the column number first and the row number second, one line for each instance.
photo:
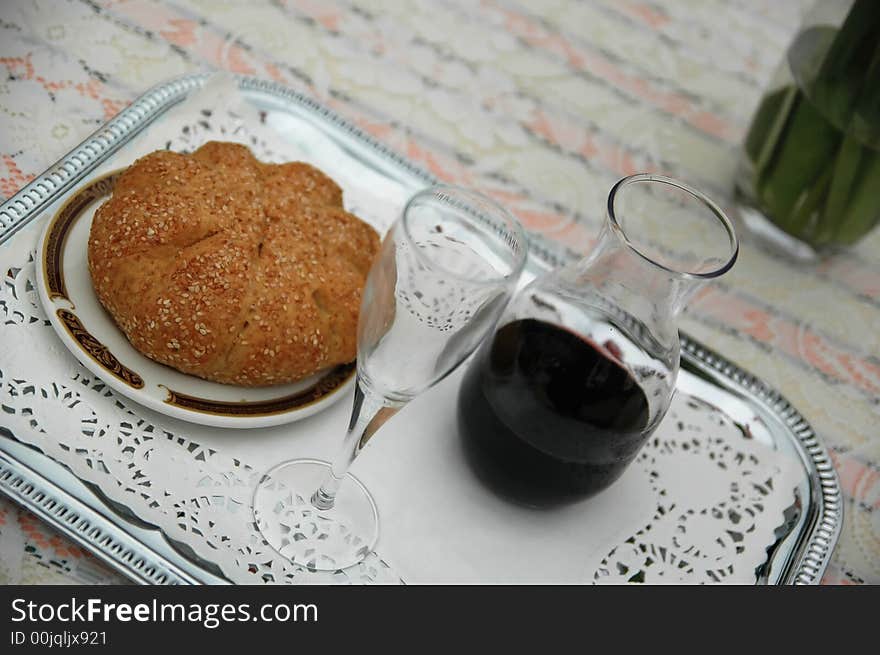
column 809, row 173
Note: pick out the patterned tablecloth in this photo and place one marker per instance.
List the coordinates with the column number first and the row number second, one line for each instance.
column 541, row 103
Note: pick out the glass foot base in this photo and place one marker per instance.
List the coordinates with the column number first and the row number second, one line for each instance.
column 319, row 540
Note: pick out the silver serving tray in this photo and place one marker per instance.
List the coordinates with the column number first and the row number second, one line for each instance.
column 143, row 553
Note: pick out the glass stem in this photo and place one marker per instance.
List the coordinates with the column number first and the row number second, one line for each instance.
column 368, row 414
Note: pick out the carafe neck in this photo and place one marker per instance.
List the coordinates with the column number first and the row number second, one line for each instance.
column 623, row 276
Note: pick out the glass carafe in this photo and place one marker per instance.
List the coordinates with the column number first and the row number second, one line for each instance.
column 582, row 365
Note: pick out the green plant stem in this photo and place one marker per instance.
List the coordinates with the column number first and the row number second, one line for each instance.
column 863, row 211
column 799, row 161
column 841, row 76
column 843, row 181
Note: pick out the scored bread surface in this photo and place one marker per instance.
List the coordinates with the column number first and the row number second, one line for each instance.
column 230, row 269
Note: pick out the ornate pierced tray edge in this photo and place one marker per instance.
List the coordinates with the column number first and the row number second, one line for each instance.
column 816, row 544
column 813, row 553
column 116, row 546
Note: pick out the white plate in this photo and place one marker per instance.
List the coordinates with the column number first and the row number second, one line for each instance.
column 87, row 330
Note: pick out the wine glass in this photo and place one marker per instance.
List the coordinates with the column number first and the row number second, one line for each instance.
column 444, row 274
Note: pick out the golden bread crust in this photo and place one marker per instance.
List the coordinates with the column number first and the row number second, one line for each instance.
column 230, row 269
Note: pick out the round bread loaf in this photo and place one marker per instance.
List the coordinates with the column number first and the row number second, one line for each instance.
column 230, row 269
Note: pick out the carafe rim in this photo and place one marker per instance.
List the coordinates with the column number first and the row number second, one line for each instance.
column 718, row 213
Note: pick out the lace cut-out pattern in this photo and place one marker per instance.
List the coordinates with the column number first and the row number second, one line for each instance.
column 202, row 498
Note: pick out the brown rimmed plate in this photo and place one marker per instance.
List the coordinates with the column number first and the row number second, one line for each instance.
column 85, row 328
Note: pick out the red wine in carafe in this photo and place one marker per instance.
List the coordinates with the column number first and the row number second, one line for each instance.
column 548, row 416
